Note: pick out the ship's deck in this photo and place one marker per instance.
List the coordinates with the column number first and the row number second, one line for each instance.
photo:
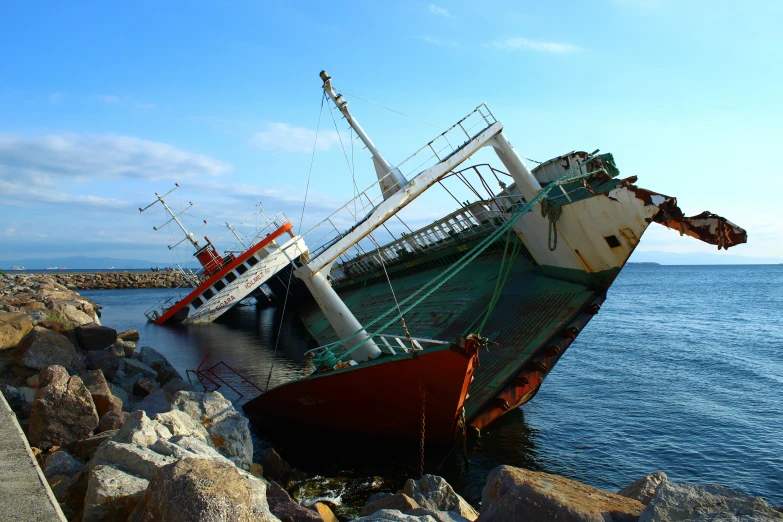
column 531, row 309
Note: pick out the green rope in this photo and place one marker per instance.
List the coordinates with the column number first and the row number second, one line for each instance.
column 439, row 280
column 553, row 209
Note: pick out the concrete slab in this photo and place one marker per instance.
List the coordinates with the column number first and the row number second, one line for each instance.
column 24, row 493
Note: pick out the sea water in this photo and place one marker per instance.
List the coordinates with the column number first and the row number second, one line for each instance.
column 681, row 371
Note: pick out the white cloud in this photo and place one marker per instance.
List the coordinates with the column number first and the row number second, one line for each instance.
column 514, row 44
column 287, row 138
column 440, row 42
column 98, row 156
column 438, row 11
column 56, row 98
column 109, row 98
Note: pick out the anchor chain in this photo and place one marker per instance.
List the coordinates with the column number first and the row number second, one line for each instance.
column 423, row 427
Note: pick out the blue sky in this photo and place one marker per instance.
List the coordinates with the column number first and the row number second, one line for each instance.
column 103, row 104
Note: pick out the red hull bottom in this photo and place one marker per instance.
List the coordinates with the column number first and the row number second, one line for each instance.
column 382, row 398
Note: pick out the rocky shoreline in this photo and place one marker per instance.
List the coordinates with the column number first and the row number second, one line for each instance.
column 119, row 435
column 113, row 280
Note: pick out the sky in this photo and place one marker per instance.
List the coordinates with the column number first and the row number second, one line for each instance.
column 102, row 104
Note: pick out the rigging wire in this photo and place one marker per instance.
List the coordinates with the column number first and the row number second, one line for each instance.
column 392, row 110
column 299, row 231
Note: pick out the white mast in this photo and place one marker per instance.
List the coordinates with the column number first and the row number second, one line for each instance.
column 390, row 177
column 174, row 217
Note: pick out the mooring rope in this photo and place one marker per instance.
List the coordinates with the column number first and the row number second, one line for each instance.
column 301, row 220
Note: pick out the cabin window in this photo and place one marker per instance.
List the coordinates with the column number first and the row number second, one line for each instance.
column 220, row 285
column 208, row 294
column 241, row 269
column 197, row 302
column 612, row 241
column 252, row 261
column 231, row 277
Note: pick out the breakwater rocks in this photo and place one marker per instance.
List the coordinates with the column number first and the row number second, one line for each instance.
column 119, row 435
column 108, row 280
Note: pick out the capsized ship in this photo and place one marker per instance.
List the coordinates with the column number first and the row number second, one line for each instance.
column 517, row 272
column 226, row 281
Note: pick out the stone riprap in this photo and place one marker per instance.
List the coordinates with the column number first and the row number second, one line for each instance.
column 107, row 280
column 119, row 435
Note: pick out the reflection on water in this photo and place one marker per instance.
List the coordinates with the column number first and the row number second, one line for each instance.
column 681, row 371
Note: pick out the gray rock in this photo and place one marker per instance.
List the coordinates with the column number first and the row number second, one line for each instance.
column 159, row 363
column 143, row 387
column 63, row 411
column 42, row 348
column 200, row 490
column 61, row 463
column 141, row 462
column 134, row 367
column 13, row 328
column 644, row 488
column 681, row 502
column 177, row 384
column 434, row 493
column 86, row 448
column 95, row 337
column 120, row 394
column 228, row 429
column 16, row 399
column 73, row 314
column 37, row 316
column 105, row 361
column 285, row 508
column 395, row 515
column 154, row 403
column 180, row 423
column 111, row 494
column 141, row 431
column 513, row 494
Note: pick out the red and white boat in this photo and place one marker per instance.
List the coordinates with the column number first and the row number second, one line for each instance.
column 226, row 281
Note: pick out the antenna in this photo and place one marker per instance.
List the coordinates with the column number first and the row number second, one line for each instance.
column 174, row 217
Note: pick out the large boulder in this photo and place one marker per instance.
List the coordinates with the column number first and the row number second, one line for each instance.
column 106, row 361
column 285, row 508
column 228, row 429
column 180, row 423
column 141, row 431
column 95, row 337
column 63, row 411
column 134, row 367
column 195, row 489
column 514, row 494
column 13, row 328
column 138, row 461
column 72, row 313
column 158, row 362
column 434, row 493
column 102, row 396
column 681, row 502
column 644, row 488
column 42, row 348
column 111, row 494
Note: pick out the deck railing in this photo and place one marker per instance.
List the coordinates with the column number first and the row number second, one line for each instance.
column 341, row 221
